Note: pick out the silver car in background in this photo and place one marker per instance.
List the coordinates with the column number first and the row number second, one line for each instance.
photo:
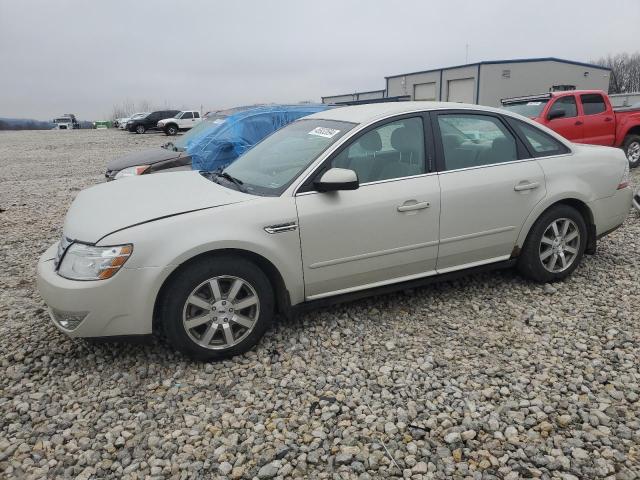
column 342, row 203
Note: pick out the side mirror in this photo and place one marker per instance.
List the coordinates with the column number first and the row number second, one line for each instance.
column 560, row 113
column 336, row 179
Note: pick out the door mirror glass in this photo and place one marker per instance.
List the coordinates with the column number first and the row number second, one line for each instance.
column 559, row 113
column 336, row 179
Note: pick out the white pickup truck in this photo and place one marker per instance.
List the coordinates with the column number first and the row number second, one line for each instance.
column 184, row 120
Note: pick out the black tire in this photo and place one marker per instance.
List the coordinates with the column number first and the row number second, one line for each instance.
column 529, row 263
column 171, row 129
column 632, row 142
column 140, row 129
column 182, row 285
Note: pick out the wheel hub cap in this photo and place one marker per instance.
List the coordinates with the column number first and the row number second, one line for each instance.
column 559, row 245
column 220, row 312
column 633, row 153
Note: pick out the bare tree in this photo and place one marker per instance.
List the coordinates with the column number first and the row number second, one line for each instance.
column 625, row 72
column 145, row 106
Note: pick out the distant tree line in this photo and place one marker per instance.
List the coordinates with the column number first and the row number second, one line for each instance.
column 129, row 107
column 625, row 72
column 20, row 124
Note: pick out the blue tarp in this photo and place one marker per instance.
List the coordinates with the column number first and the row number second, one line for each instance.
column 230, row 137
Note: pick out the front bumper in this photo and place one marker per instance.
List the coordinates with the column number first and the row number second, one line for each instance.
column 121, row 305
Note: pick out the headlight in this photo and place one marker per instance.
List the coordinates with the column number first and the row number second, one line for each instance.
column 131, row 171
column 84, row 262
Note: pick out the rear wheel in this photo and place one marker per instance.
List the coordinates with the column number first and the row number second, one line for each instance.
column 218, row 308
column 140, row 129
column 631, row 147
column 555, row 245
column 171, row 129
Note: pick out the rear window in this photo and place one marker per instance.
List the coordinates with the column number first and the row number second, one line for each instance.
column 592, row 103
column 530, row 108
column 540, row 143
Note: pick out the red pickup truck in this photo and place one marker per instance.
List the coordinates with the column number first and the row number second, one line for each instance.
column 584, row 116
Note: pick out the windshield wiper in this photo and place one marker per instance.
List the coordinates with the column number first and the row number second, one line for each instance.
column 237, row 182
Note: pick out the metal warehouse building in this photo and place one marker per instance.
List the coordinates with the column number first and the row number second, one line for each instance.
column 486, row 83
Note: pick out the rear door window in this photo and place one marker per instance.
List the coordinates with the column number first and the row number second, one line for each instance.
column 592, row 103
column 568, row 104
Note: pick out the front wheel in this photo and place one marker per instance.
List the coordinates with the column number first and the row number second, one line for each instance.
column 631, row 147
column 218, row 308
column 555, row 245
column 140, row 129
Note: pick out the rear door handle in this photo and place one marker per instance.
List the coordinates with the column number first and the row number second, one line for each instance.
column 407, row 207
column 578, row 123
column 526, row 186
column 608, row 119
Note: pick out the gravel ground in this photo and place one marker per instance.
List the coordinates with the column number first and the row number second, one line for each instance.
column 486, row 377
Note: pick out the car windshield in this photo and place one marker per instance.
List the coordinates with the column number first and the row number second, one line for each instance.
column 527, row 108
column 212, row 120
column 139, row 115
column 62, row 120
column 271, row 166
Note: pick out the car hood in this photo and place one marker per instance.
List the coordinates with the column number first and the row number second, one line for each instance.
column 108, row 207
column 142, row 157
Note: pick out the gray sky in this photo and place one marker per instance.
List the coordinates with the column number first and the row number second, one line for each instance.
column 85, row 56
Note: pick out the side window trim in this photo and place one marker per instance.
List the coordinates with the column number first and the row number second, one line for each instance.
column 584, row 111
column 575, row 105
column 522, row 138
column 307, row 186
column 522, row 152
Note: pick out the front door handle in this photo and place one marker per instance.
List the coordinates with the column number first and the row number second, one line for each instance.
column 578, row 123
column 407, row 207
column 526, row 186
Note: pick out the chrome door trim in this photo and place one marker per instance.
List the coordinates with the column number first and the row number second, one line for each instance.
column 477, row 234
column 474, row 264
column 378, row 253
column 408, row 277
column 377, row 182
column 281, row 227
column 372, row 285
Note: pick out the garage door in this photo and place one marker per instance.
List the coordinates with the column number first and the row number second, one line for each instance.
column 424, row 91
column 461, row 90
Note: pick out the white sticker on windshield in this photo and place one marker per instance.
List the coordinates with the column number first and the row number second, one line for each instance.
column 534, row 103
column 324, row 132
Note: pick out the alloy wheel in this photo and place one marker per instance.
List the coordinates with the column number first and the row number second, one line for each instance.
column 220, row 312
column 633, row 152
column 559, row 245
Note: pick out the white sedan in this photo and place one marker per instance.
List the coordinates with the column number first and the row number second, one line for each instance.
column 344, row 202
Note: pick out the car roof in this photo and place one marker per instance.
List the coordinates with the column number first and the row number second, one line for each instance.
column 373, row 111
